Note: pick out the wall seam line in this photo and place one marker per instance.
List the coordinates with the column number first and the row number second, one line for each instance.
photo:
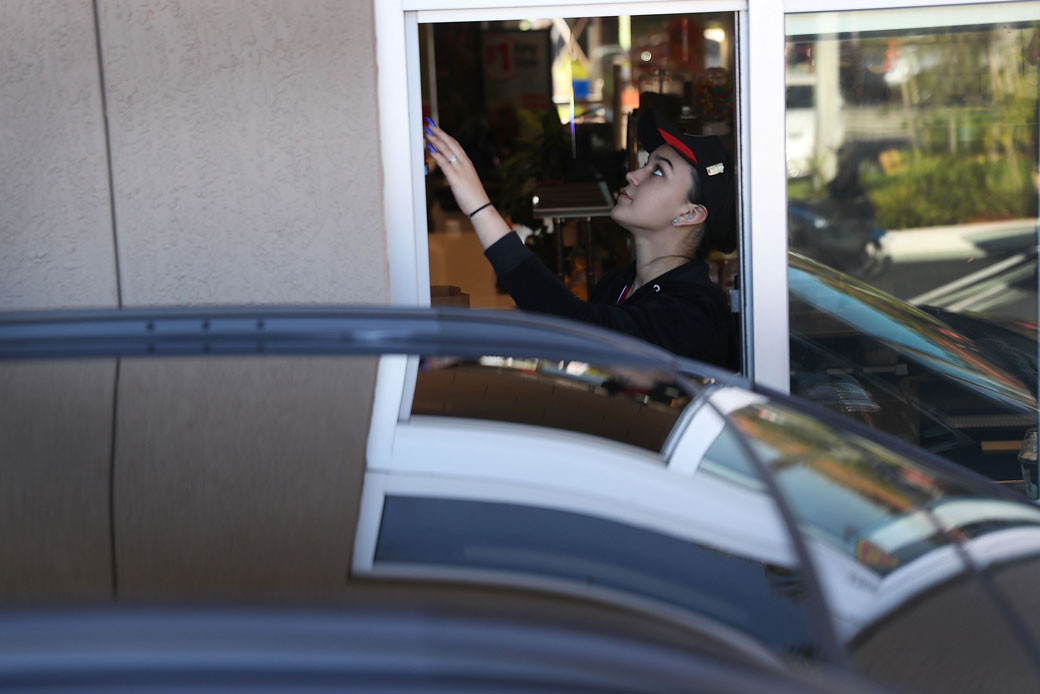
column 108, row 154
column 112, row 483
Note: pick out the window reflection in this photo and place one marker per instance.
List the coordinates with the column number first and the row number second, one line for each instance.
column 883, row 531
column 883, row 510
column 912, row 152
column 631, row 405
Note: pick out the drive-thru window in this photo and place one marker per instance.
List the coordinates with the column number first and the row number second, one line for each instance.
column 887, row 176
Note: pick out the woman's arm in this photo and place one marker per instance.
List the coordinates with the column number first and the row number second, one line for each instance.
column 466, row 186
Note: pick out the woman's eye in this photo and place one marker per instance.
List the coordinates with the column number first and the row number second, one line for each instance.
column 658, row 171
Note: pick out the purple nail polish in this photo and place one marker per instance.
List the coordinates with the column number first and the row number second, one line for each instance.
column 430, row 121
column 428, row 131
column 430, row 147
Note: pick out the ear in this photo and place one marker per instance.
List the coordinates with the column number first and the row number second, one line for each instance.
column 692, row 215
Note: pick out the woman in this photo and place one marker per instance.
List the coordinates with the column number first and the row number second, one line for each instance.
column 677, row 207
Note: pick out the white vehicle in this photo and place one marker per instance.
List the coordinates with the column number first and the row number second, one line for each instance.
column 800, row 123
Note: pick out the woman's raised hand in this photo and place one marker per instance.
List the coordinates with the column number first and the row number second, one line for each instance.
column 458, row 169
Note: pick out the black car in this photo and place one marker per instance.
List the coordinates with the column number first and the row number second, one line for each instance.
column 407, row 499
column 959, row 385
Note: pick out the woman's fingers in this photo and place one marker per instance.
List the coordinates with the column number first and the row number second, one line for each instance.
column 440, row 137
column 458, row 169
column 446, row 145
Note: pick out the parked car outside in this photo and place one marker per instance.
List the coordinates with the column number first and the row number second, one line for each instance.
column 958, row 385
column 544, row 488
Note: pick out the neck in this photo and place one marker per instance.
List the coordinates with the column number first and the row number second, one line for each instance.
column 653, row 260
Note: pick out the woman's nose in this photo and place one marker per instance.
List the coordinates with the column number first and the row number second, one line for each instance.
column 633, row 177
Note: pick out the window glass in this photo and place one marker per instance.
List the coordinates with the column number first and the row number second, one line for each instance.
column 548, row 110
column 883, row 531
column 634, row 406
column 848, row 491
column 727, row 458
column 881, row 508
column 764, row 600
column 912, row 150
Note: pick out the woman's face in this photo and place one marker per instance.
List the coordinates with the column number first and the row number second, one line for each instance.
column 656, row 194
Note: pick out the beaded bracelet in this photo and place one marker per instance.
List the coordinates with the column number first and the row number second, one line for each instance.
column 486, row 204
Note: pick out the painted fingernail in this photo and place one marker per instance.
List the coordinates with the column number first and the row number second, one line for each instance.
column 430, row 121
column 428, row 131
column 430, row 147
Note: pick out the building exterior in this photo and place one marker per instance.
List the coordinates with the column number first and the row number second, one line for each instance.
column 190, row 153
column 262, row 151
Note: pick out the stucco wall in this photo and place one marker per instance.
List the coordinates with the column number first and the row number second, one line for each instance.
column 56, row 243
column 244, row 153
column 245, row 150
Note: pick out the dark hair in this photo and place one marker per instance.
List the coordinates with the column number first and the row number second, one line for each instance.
column 693, row 195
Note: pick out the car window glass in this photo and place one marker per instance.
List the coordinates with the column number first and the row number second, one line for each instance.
column 728, row 458
column 847, row 490
column 854, row 306
column 634, row 406
column 901, row 530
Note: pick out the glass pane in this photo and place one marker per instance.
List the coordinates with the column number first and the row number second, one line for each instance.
column 548, row 109
column 884, row 532
column 847, row 491
column 912, row 151
column 634, row 406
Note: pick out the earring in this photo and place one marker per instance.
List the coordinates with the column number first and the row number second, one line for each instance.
column 675, row 222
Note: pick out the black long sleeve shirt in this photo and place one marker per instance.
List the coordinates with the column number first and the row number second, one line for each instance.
column 681, row 310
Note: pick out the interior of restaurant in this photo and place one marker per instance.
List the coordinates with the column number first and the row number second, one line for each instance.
column 547, row 109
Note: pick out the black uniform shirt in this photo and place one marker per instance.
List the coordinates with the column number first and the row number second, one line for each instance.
column 681, row 310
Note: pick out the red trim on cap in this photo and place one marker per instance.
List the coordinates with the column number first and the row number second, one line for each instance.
column 678, row 144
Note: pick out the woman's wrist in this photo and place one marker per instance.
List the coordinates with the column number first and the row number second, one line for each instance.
column 478, row 209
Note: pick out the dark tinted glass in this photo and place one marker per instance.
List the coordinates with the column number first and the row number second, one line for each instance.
column 766, row 601
column 634, row 406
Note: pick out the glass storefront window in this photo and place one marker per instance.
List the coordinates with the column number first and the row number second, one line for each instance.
column 912, row 165
column 547, row 109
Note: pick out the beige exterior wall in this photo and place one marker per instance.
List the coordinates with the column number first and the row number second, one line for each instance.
column 245, row 151
column 244, row 147
column 56, row 243
column 241, row 164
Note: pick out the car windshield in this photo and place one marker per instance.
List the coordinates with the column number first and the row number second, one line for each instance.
column 910, row 331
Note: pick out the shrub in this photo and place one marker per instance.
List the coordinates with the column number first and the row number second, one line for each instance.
column 950, row 189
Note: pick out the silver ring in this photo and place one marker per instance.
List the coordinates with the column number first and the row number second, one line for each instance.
column 451, row 159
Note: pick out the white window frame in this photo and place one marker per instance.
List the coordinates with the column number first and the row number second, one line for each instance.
column 760, row 79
